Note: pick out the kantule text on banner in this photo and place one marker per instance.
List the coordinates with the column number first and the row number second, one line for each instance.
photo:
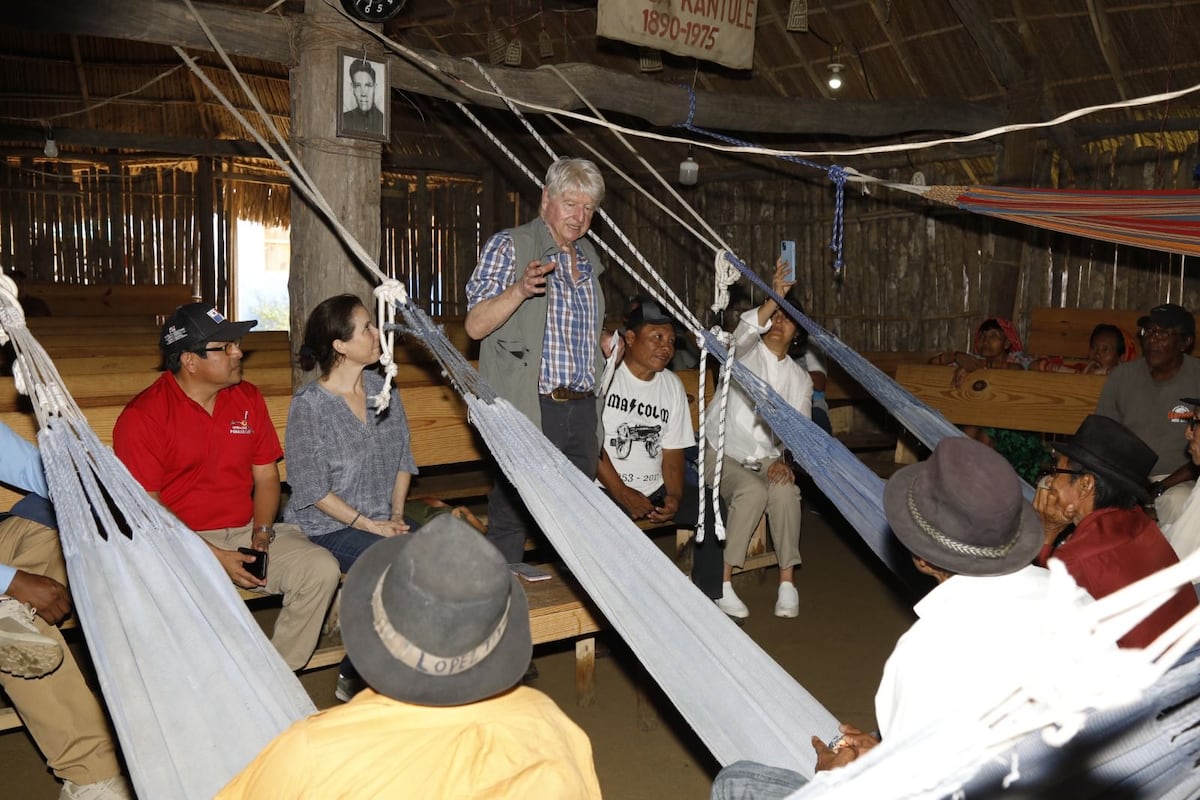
column 715, row 30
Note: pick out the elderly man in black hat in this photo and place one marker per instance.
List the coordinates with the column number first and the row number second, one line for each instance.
column 963, row 518
column 1143, row 395
column 1090, row 504
column 439, row 629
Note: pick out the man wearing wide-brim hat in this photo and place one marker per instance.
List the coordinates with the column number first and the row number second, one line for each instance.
column 438, row 627
column 1097, row 483
column 962, row 516
column 1143, row 395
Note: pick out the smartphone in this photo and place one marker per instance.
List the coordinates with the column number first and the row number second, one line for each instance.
column 529, row 572
column 257, row 567
column 787, row 251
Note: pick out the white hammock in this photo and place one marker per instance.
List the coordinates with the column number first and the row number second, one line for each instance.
column 193, row 687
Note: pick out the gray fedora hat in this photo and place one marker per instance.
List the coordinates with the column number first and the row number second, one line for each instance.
column 1107, row 448
column 962, row 510
column 435, row 617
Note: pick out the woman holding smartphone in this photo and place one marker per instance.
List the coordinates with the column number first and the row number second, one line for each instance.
column 349, row 468
column 755, row 474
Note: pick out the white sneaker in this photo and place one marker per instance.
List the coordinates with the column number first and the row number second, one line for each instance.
column 24, row 650
column 114, row 788
column 730, row 603
column 788, row 602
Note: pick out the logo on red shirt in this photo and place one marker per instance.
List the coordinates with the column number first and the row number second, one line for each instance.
column 241, row 425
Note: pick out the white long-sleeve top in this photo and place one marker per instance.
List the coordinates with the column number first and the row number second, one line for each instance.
column 747, row 436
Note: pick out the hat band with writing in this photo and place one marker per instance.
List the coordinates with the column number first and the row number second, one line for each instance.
column 411, row 655
column 954, row 545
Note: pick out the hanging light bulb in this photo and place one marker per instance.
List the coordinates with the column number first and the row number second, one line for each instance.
column 689, row 170
column 51, row 148
column 835, row 75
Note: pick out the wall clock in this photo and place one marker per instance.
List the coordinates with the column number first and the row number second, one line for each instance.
column 373, row 10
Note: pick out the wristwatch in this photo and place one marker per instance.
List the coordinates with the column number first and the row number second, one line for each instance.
column 1157, row 488
column 270, row 532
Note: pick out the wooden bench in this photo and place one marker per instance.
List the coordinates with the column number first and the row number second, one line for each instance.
column 1045, row 402
column 1067, row 331
column 95, row 300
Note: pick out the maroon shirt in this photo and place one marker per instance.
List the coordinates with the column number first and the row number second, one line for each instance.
column 1114, row 547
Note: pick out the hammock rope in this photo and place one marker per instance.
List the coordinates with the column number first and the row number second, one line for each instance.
column 835, row 173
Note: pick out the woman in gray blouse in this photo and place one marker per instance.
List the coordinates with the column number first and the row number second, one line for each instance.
column 349, row 468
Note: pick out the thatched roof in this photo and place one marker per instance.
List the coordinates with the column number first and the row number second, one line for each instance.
column 1024, row 61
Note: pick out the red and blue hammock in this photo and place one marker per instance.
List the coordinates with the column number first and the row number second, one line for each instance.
column 1157, row 220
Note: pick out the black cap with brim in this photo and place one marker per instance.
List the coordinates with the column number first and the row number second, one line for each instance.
column 1171, row 315
column 644, row 310
column 195, row 325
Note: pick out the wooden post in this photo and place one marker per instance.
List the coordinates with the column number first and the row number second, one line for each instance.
column 204, row 225
column 346, row 171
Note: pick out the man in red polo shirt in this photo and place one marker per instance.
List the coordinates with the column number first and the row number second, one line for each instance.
column 200, row 440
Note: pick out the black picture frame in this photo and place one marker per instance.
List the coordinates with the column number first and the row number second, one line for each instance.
column 354, row 72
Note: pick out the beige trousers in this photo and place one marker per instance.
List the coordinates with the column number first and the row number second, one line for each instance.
column 304, row 573
column 60, row 712
column 747, row 495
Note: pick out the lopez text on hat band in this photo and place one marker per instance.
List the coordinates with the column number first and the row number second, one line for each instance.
column 411, row 655
column 951, row 544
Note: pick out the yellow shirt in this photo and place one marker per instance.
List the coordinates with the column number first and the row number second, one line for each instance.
column 517, row 744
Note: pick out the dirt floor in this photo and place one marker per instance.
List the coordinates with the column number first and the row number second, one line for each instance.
column 851, row 614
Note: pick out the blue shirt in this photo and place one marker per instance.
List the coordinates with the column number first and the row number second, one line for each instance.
column 569, row 347
column 21, row 468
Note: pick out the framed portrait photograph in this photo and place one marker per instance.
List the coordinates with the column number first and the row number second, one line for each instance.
column 364, row 112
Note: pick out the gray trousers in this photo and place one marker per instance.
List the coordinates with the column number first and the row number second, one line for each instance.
column 571, row 427
column 749, row 780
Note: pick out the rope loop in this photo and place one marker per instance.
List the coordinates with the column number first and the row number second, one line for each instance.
column 725, row 275
column 389, row 295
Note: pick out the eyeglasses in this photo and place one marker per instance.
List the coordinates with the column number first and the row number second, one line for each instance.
column 1157, row 333
column 1047, row 471
column 226, row 348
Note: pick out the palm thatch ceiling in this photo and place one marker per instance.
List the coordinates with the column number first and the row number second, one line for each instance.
column 102, row 75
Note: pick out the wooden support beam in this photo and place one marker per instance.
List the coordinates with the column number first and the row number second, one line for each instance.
column 81, row 76
column 977, row 20
column 1098, row 16
column 901, row 52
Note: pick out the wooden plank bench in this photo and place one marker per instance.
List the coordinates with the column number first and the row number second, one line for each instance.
column 93, row 300
column 1046, row 402
column 1066, row 331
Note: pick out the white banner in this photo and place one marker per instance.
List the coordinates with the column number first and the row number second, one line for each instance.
column 715, row 30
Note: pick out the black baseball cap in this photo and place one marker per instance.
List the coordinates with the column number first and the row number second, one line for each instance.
column 197, row 324
column 1170, row 315
column 645, row 310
